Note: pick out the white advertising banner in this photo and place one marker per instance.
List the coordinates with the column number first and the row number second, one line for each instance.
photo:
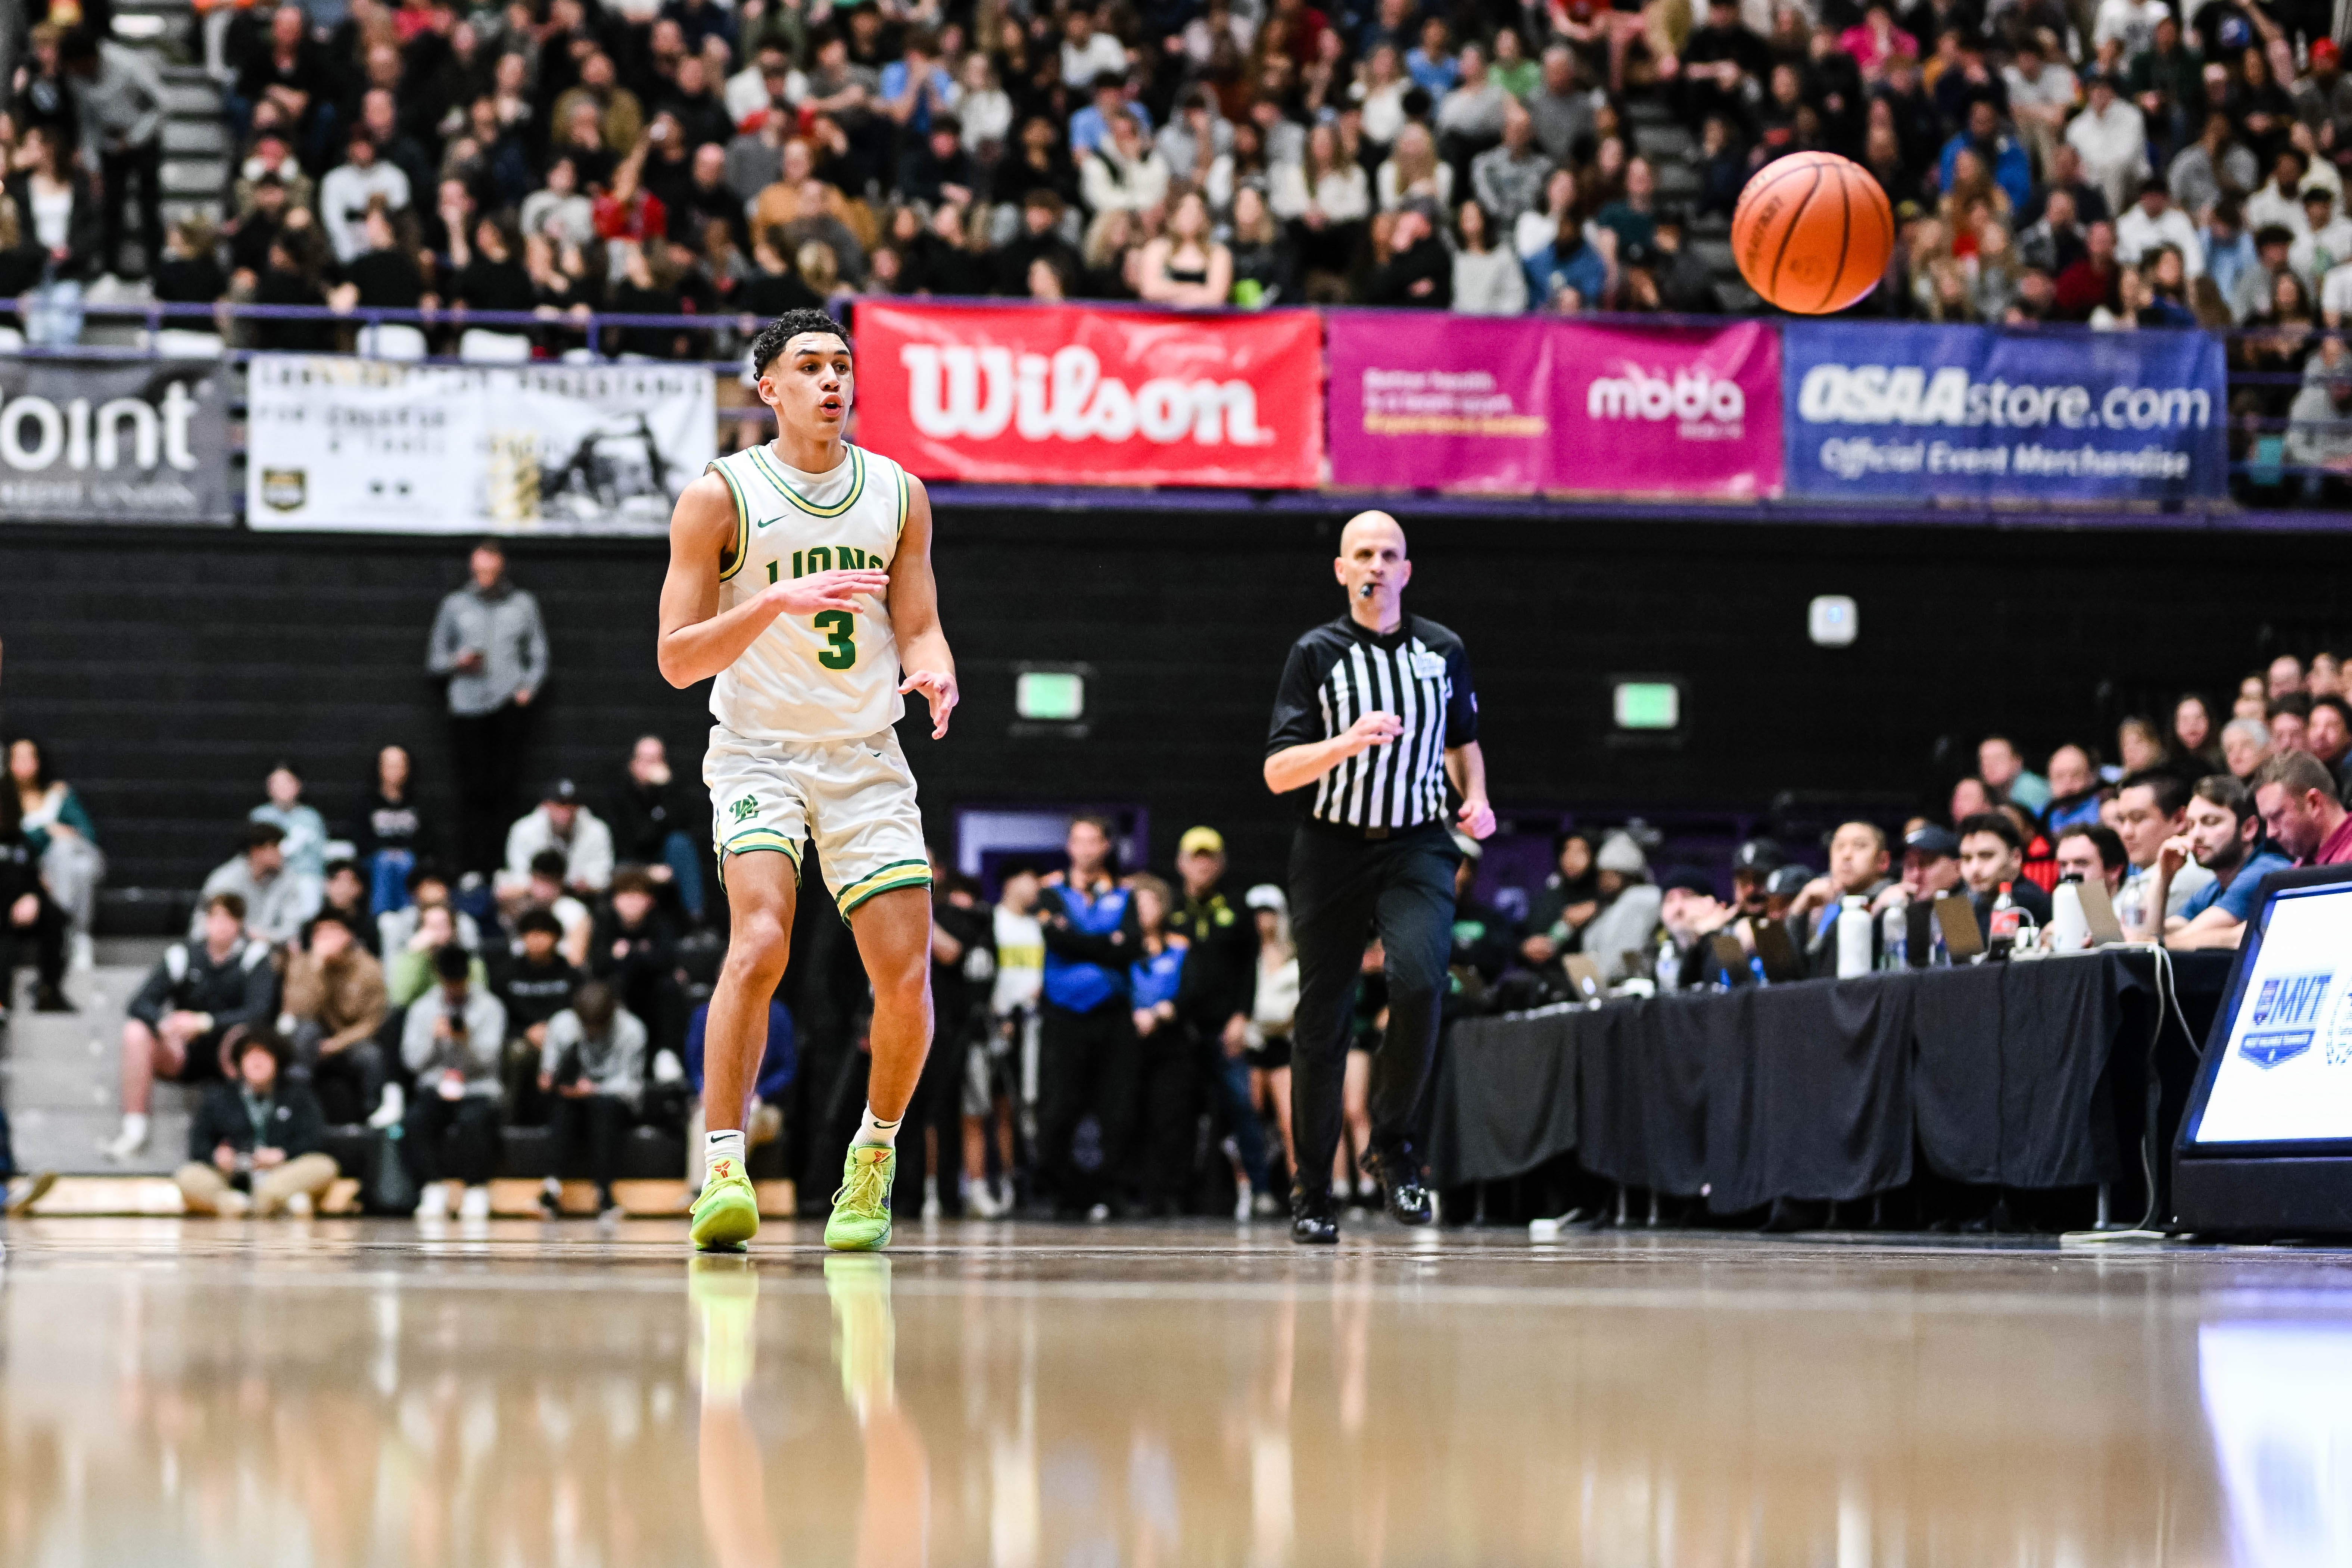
column 389, row 447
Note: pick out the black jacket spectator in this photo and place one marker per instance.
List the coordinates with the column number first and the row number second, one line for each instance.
column 386, row 279
column 290, row 1120
column 645, row 815
column 1220, row 973
column 1421, row 275
column 239, row 990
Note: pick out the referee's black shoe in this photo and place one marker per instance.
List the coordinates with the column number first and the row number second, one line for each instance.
column 1314, row 1218
column 1398, row 1171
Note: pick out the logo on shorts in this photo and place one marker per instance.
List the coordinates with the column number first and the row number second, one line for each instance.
column 745, row 809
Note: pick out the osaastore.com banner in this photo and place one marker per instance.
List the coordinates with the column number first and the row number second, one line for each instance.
column 389, row 447
column 1878, row 409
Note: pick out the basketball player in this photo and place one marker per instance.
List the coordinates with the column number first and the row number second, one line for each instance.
column 1377, row 713
column 800, row 575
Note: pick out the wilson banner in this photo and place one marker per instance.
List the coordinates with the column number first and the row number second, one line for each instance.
column 1064, row 395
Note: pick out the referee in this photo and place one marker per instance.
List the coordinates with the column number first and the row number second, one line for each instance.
column 1375, row 713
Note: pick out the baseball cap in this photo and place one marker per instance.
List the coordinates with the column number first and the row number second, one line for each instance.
column 1935, row 843
column 563, row 791
column 1267, row 896
column 1619, row 853
column 1758, row 858
column 1201, row 841
column 2324, row 52
column 1788, row 881
column 1689, row 878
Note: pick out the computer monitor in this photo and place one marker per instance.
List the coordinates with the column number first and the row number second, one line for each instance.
column 2265, row 1146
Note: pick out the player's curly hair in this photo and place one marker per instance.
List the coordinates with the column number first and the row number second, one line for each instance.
column 772, row 337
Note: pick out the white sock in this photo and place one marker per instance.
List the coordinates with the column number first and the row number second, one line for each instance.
column 134, row 1125
column 727, row 1144
column 874, row 1130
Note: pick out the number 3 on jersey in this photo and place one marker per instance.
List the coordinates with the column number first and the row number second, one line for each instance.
column 838, row 625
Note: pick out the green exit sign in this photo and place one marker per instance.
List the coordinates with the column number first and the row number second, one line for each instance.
column 1648, row 705
column 1050, row 696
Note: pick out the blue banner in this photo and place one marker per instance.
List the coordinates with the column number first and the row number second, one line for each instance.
column 1878, row 409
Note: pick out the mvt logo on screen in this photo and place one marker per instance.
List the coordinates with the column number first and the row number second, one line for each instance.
column 2286, row 1017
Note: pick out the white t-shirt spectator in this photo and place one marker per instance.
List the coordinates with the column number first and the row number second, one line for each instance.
column 2113, row 146
column 2321, row 252
column 2132, row 21
column 1112, row 181
column 1343, row 194
column 587, row 854
column 2336, row 296
column 1384, row 111
column 2271, row 207
column 2052, row 88
column 343, row 197
column 747, row 91
column 2140, row 237
column 1102, row 53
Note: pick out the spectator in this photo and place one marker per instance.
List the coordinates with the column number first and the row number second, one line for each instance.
column 2326, row 243
column 1124, row 172
column 1487, row 280
column 2149, row 809
column 1092, row 932
column 1632, row 217
column 1931, row 867
column 2193, row 740
column 29, row 919
column 2041, row 94
column 545, row 890
column 1417, row 271
column 1571, row 273
column 2319, row 423
column 1992, row 861
column 1431, row 63
column 2152, row 223
column 2207, row 169
column 1217, row 983
column 1721, row 67
column 563, row 824
column 202, row 996
column 304, row 831
column 2139, row 746
column 2110, row 138
column 408, row 968
column 345, row 899
column 2301, row 814
column 1629, row 912
column 1167, row 1069
column 2286, row 722
column 189, row 270
column 2281, row 201
column 2073, row 790
column 2003, row 157
column 63, row 839
column 594, row 1065
column 1186, row 267
column 1858, row 863
column 534, row 983
column 1327, row 195
column 450, row 1044
column 349, row 189
column 650, row 826
column 1560, row 109
column 1471, row 116
column 56, row 207
column 2004, row 773
column 2223, row 835
column 488, row 642
column 255, row 1145
column 1508, row 178
column 119, row 105
column 770, row 1087
column 1265, row 263
column 2283, row 678
column 425, row 887
column 276, row 900
column 394, row 835
column 633, row 949
column 2090, row 852
column 2327, row 735
column 1412, row 171
column 334, row 1004
column 2245, row 746
column 1087, row 55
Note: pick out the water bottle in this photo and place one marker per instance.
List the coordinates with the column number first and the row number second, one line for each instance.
column 1894, row 927
column 1853, row 936
column 2001, row 924
column 2070, row 929
column 1938, row 956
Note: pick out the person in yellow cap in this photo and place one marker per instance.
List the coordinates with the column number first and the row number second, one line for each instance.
column 1213, row 995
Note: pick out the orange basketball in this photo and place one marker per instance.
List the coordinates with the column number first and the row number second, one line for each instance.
column 1812, row 233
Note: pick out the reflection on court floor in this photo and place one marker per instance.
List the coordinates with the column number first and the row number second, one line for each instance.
column 175, row 1392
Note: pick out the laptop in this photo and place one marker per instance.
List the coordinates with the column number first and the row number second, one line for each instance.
column 1584, row 978
column 1957, row 914
column 1781, row 960
column 1731, row 959
column 2099, row 914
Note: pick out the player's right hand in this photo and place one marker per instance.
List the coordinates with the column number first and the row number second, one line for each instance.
column 835, row 590
column 1373, row 729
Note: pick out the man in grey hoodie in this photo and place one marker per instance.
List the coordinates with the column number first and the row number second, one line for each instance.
column 491, row 646
column 118, row 96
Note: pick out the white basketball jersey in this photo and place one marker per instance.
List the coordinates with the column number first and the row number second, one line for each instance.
column 833, row 676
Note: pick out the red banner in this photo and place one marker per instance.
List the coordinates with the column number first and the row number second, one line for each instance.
column 1064, row 395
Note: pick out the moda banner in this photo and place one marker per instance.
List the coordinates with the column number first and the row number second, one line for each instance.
column 114, row 441
column 1976, row 412
column 384, row 446
column 1066, row 394
column 1423, row 401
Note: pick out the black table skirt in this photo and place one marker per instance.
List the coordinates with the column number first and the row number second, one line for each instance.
column 2021, row 1075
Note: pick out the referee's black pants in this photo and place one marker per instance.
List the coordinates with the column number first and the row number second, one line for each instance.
column 1343, row 889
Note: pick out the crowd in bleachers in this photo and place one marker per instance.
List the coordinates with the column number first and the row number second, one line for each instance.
column 367, row 973
column 2115, row 161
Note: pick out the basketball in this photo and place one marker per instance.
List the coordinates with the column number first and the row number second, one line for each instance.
column 1812, row 233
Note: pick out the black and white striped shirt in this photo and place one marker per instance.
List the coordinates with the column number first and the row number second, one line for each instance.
column 1338, row 673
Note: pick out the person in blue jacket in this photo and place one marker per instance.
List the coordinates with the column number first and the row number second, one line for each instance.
column 1087, row 1046
column 1168, row 1065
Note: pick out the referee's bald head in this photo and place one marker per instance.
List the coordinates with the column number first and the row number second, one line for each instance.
column 1364, row 521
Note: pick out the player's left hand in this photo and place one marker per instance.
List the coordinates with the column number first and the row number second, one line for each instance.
column 1477, row 818
column 940, row 691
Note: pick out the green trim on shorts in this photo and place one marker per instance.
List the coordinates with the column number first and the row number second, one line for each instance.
column 888, row 878
column 756, row 841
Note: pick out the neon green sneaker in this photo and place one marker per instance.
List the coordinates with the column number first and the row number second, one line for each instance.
column 727, row 1215
column 726, row 1297
column 861, row 1209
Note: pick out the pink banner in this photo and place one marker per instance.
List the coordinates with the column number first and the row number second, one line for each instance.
column 1422, row 401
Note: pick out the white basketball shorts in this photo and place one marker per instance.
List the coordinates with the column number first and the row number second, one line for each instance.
column 855, row 798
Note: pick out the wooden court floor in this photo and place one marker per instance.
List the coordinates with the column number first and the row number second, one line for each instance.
column 355, row 1393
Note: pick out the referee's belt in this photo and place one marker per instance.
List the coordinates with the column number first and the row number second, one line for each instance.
column 1366, row 834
